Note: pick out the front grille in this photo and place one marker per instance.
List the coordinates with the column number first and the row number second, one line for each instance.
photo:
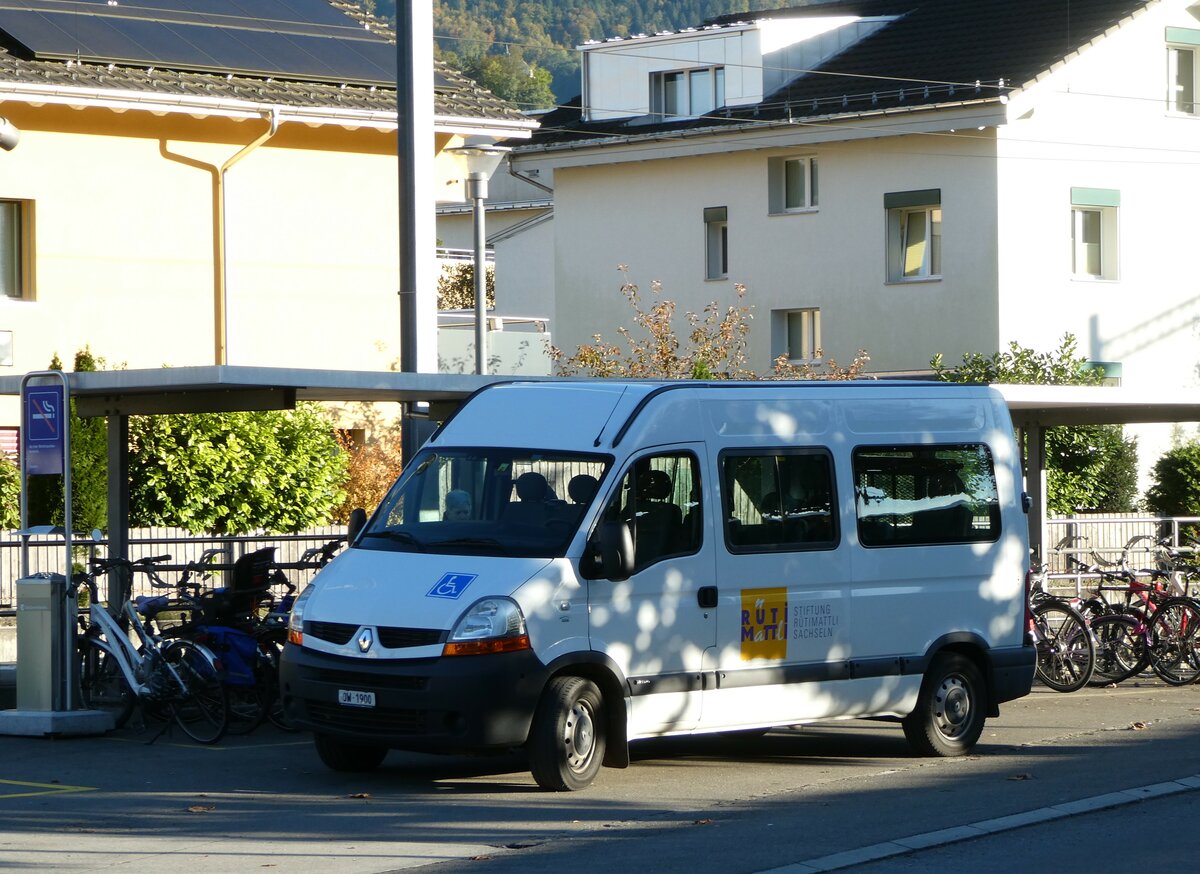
column 377, row 680
column 399, row 638
column 335, row 632
column 380, row 721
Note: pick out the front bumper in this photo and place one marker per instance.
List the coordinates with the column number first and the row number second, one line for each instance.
column 456, row 704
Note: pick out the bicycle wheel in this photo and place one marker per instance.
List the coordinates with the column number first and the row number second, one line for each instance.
column 201, row 706
column 1174, row 641
column 248, row 706
column 1066, row 655
column 1120, row 649
column 102, row 683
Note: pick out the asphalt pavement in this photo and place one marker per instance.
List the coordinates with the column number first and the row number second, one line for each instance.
column 694, row 805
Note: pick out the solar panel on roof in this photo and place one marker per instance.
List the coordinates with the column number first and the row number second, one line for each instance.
column 301, row 39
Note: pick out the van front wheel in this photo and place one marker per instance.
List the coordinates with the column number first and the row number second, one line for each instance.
column 566, row 741
column 950, row 710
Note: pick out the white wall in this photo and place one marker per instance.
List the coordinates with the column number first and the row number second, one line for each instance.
column 649, row 215
column 1102, row 122
column 619, row 75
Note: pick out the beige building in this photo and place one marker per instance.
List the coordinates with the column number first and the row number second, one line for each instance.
column 178, row 211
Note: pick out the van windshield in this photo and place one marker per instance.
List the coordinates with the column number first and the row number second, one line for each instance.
column 509, row 502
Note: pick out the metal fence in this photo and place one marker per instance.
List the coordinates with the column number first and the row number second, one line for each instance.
column 47, row 553
column 1090, row 539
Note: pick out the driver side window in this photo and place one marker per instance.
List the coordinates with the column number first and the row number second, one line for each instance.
column 659, row 500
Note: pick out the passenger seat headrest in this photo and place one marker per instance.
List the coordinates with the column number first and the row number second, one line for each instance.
column 532, row 486
column 582, row 487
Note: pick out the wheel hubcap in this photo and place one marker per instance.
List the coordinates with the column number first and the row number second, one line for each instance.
column 952, row 707
column 580, row 736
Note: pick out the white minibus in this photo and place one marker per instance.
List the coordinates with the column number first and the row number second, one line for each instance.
column 571, row 566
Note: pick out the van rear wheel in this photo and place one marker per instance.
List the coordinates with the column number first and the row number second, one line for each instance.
column 951, row 708
column 344, row 755
column 566, row 741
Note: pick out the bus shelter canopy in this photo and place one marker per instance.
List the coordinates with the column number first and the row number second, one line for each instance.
column 118, row 394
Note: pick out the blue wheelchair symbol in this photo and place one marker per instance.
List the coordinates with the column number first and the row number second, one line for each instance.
column 451, row 586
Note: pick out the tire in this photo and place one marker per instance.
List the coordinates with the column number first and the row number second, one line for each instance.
column 951, row 708
column 1174, row 641
column 344, row 755
column 567, row 738
column 201, row 707
column 248, row 706
column 1066, row 654
column 1120, row 649
column 102, row 683
column 275, row 712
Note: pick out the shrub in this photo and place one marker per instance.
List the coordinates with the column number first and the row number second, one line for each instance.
column 1176, row 487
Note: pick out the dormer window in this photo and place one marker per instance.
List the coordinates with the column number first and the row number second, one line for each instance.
column 687, row 93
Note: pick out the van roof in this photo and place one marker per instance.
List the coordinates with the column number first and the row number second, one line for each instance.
column 597, row 413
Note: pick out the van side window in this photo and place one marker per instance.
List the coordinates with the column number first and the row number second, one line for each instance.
column 778, row 500
column 919, row 495
column 659, row 499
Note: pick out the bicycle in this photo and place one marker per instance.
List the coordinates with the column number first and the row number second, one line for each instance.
column 225, row 620
column 1150, row 627
column 271, row 632
column 1066, row 651
column 178, row 680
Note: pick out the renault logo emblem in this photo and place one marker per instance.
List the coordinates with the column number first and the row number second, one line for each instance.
column 365, row 640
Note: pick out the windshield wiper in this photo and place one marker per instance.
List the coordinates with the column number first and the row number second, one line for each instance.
column 485, row 542
column 399, row 536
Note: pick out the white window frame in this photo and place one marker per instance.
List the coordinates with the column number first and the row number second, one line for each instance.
column 805, row 171
column 802, row 334
column 914, row 236
column 684, row 94
column 1094, row 234
column 1183, row 76
column 716, row 242
column 15, row 256
column 1181, row 84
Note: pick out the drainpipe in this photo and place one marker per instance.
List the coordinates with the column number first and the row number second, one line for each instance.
column 512, row 171
column 221, row 271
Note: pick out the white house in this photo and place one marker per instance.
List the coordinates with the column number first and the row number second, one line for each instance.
column 904, row 176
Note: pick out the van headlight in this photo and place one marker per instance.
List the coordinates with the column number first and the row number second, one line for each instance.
column 492, row 625
column 295, row 627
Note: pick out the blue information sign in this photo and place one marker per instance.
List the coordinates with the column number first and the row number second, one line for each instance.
column 44, row 425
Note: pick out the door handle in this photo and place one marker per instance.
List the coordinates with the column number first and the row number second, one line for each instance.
column 706, row 597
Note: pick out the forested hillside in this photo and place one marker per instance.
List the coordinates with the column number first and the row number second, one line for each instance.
column 524, row 50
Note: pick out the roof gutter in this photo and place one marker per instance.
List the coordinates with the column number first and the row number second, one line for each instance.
column 121, row 100
column 719, row 130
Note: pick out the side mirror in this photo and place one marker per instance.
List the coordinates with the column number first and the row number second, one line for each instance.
column 355, row 524
column 612, row 548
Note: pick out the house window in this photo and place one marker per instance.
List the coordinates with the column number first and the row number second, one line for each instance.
column 716, row 242
column 914, row 235
column 687, row 93
column 14, row 249
column 1181, row 69
column 803, row 334
column 793, row 185
column 1094, row 233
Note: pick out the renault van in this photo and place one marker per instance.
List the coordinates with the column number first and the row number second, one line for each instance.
column 571, row 566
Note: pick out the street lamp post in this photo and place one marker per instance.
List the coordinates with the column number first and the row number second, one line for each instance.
column 482, row 161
